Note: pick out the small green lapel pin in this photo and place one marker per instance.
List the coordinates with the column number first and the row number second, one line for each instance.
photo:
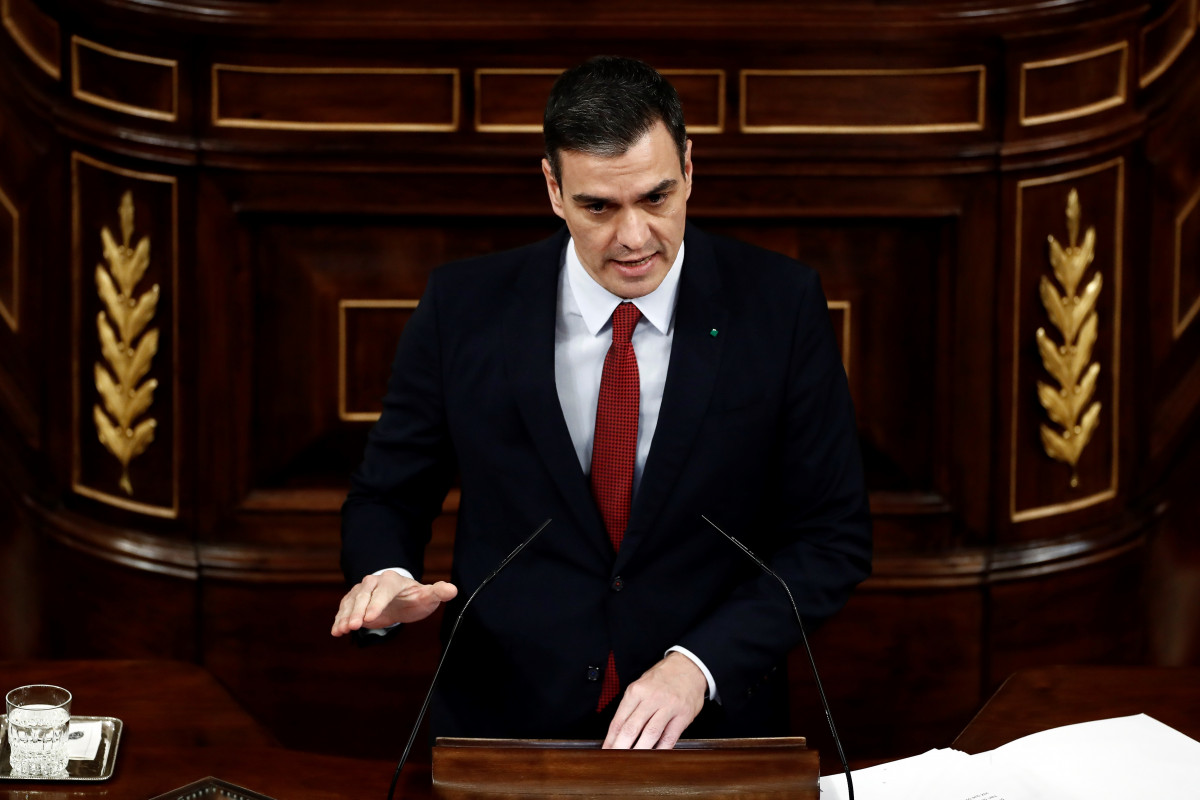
column 713, row 333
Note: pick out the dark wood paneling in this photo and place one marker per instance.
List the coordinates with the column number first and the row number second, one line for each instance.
column 36, row 33
column 327, row 97
column 929, row 100
column 125, row 81
column 1075, row 84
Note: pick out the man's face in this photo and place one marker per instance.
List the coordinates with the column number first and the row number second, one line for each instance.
column 626, row 213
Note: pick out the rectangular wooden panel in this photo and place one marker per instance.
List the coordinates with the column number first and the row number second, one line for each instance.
column 35, row 32
column 10, row 261
column 1041, row 486
column 119, row 80
column 367, row 334
column 119, row 215
column 1075, row 85
column 848, row 101
column 1164, row 39
column 514, row 100
column 335, row 98
column 1186, row 289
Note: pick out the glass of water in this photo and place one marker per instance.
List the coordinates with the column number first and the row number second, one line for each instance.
column 37, row 730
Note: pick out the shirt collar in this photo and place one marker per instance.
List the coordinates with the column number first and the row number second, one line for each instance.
column 596, row 304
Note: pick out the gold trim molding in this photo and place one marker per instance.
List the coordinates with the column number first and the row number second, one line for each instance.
column 1038, row 512
column 482, row 127
column 916, row 127
column 12, row 316
column 1075, row 317
column 1153, row 74
column 1181, row 324
column 298, row 125
column 844, row 306
column 1080, row 111
column 125, row 319
column 77, row 486
column 344, row 414
column 116, row 105
column 44, row 62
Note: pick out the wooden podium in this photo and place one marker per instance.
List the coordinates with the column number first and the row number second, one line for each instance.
column 733, row 769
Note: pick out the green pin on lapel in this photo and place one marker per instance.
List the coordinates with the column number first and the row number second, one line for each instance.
column 713, row 333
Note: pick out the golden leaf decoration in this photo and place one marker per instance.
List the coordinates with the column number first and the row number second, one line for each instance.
column 127, row 347
column 1069, row 362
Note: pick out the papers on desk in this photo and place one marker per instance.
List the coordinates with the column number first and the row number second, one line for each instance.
column 1124, row 757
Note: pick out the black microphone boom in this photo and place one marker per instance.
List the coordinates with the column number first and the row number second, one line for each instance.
column 804, row 638
column 450, row 640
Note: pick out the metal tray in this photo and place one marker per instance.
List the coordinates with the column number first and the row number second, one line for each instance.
column 99, row 768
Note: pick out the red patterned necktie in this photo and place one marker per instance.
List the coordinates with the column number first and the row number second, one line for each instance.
column 614, row 446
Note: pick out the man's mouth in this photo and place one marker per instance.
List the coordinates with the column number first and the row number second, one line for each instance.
column 641, row 262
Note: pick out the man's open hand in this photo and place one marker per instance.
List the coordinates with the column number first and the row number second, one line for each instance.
column 657, row 707
column 380, row 601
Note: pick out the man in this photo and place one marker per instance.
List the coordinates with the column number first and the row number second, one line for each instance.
column 623, row 378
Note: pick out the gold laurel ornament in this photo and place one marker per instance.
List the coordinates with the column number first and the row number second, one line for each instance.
column 1069, row 361
column 126, row 346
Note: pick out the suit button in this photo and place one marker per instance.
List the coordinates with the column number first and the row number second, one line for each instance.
column 618, row 584
column 593, row 673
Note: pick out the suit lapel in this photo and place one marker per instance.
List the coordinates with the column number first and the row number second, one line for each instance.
column 529, row 355
column 691, row 376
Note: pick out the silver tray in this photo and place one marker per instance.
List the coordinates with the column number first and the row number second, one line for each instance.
column 99, row 768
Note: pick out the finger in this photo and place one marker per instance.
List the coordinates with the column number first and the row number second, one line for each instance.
column 361, row 599
column 670, row 735
column 629, row 730
column 444, row 591
column 624, row 708
column 652, row 730
column 341, row 621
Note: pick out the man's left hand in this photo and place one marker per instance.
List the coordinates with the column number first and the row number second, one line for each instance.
column 657, row 707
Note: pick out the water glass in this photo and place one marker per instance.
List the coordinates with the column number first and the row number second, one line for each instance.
column 37, row 730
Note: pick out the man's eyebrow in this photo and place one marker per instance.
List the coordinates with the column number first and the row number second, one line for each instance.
column 588, row 199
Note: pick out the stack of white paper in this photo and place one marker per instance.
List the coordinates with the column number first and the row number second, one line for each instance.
column 1125, row 758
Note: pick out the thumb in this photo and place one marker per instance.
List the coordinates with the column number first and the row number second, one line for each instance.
column 444, row 591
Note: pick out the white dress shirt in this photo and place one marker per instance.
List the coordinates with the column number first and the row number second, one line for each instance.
column 582, row 336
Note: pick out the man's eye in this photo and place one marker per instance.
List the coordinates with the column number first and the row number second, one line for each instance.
column 656, row 199
column 596, row 208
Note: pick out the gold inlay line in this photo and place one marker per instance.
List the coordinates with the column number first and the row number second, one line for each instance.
column 1175, row 51
column 490, row 127
column 77, row 485
column 1079, row 111
column 116, row 105
column 12, row 315
column 1180, row 219
column 1053, row 509
column 46, row 65
column 298, row 125
column 343, row 413
column 844, row 307
column 916, row 127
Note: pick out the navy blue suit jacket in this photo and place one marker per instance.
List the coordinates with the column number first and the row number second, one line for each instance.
column 756, row 431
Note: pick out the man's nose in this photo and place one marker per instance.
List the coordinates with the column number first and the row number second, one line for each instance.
column 633, row 232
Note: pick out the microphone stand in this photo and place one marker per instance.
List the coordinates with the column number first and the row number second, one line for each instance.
column 804, row 638
column 450, row 640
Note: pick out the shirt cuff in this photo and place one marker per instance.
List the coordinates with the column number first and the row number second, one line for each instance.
column 404, row 573
column 712, row 684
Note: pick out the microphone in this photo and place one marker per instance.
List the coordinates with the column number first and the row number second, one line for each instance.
column 804, row 638
column 446, row 650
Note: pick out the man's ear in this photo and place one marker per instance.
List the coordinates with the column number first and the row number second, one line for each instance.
column 687, row 169
column 553, row 189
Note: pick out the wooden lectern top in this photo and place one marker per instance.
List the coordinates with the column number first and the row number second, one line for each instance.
column 732, row 769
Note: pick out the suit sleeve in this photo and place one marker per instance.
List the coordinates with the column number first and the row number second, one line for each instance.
column 819, row 537
column 408, row 463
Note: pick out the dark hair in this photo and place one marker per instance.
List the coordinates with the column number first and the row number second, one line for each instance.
column 606, row 105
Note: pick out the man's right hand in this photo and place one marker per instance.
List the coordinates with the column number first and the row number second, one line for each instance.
column 381, row 601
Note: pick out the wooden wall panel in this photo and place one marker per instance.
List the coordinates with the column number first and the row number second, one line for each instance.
column 35, row 32
column 124, row 81
column 1040, row 485
column 936, row 100
column 1074, row 85
column 125, row 253
column 10, row 261
column 335, row 98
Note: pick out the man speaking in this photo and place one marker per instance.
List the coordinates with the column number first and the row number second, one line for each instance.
column 624, row 378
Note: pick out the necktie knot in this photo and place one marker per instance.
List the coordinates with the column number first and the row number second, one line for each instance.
column 624, row 319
